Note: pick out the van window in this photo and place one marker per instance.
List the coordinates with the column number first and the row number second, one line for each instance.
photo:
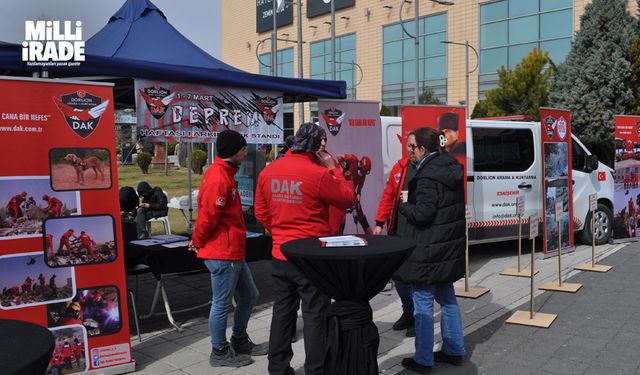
column 502, row 150
column 578, row 157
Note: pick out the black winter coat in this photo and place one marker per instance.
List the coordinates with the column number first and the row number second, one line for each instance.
column 435, row 212
column 155, row 197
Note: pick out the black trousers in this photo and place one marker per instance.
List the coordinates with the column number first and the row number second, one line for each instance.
column 292, row 287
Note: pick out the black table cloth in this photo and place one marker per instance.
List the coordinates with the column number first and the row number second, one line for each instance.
column 25, row 348
column 164, row 260
column 351, row 276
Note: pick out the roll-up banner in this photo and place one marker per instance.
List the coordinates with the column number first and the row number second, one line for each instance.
column 626, row 205
column 557, row 184
column 61, row 253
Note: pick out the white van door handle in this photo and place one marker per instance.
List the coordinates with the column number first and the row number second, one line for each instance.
column 524, row 185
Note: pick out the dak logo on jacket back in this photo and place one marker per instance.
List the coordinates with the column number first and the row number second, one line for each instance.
column 333, row 117
column 157, row 99
column 82, row 111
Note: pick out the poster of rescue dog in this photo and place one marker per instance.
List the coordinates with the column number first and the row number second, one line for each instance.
column 79, row 240
column 27, row 201
column 26, row 280
column 69, row 351
column 80, row 168
column 97, row 309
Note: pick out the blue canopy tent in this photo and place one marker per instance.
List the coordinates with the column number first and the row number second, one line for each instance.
column 138, row 42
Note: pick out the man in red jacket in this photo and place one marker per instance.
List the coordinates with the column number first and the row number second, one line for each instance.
column 54, row 205
column 219, row 237
column 399, row 177
column 292, row 201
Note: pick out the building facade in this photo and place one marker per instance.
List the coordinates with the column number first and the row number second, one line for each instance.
column 376, row 57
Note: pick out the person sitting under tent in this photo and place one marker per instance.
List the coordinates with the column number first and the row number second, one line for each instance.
column 154, row 205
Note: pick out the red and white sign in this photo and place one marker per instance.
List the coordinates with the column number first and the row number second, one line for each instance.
column 468, row 214
column 593, row 202
column 533, row 226
column 557, row 185
column 626, row 207
column 61, row 259
column 519, row 205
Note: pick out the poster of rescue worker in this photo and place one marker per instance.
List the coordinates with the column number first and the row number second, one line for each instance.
column 450, row 120
column 556, row 155
column 80, row 168
column 26, row 280
column 69, row 351
column 354, row 140
column 626, row 205
column 97, row 309
column 27, row 201
column 73, row 241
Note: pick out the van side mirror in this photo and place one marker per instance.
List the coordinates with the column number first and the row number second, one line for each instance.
column 591, row 163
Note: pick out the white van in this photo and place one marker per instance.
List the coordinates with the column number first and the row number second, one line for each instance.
column 504, row 161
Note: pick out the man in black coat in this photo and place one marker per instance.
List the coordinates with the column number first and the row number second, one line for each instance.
column 435, row 213
column 153, row 205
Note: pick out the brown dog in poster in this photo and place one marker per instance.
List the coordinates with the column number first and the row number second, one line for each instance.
column 80, row 165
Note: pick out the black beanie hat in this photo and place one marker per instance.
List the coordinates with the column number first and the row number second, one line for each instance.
column 229, row 142
column 448, row 120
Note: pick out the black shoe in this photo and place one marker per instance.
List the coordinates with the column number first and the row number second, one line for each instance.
column 455, row 360
column 411, row 364
column 404, row 322
column 227, row 357
column 246, row 346
column 411, row 330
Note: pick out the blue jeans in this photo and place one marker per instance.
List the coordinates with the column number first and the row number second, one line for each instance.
column 405, row 291
column 230, row 278
column 450, row 321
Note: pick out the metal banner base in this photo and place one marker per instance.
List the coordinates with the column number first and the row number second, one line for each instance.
column 540, row 320
column 471, row 293
column 595, row 268
column 524, row 272
column 565, row 287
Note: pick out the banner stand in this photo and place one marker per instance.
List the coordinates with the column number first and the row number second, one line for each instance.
column 467, row 292
column 593, row 267
column 518, row 272
column 557, row 285
column 531, row 318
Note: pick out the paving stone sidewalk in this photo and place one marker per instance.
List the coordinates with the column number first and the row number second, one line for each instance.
column 595, row 332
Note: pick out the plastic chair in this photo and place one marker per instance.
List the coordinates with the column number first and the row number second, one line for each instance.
column 136, row 270
column 163, row 219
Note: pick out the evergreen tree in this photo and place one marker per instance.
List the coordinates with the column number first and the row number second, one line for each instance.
column 634, row 81
column 428, row 97
column 593, row 81
column 521, row 91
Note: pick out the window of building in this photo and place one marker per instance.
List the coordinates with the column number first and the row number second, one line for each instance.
column 285, row 63
column 398, row 61
column 510, row 29
column 502, row 150
column 320, row 63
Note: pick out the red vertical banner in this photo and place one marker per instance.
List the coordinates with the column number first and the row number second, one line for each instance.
column 626, row 204
column 61, row 253
column 451, row 120
column 557, row 184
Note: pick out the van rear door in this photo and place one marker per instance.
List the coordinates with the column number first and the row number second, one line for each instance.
column 504, row 166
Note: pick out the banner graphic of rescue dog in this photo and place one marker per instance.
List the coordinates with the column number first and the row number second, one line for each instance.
column 57, row 145
column 197, row 113
column 69, row 351
column 79, row 240
column 556, row 185
column 80, row 168
column 27, row 281
column 450, row 120
column 97, row 309
column 28, row 201
column 626, row 205
column 354, row 139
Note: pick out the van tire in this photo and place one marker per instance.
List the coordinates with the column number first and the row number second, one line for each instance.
column 604, row 226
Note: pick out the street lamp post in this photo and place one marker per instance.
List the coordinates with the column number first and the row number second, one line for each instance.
column 467, row 72
column 416, row 38
column 354, row 65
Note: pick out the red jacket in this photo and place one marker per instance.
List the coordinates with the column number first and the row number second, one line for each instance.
column 388, row 206
column 293, row 198
column 220, row 232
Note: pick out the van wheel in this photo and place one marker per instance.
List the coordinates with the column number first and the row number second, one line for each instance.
column 604, row 226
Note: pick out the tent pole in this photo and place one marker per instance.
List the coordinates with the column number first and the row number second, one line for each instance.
column 274, row 42
column 190, row 225
column 300, row 66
